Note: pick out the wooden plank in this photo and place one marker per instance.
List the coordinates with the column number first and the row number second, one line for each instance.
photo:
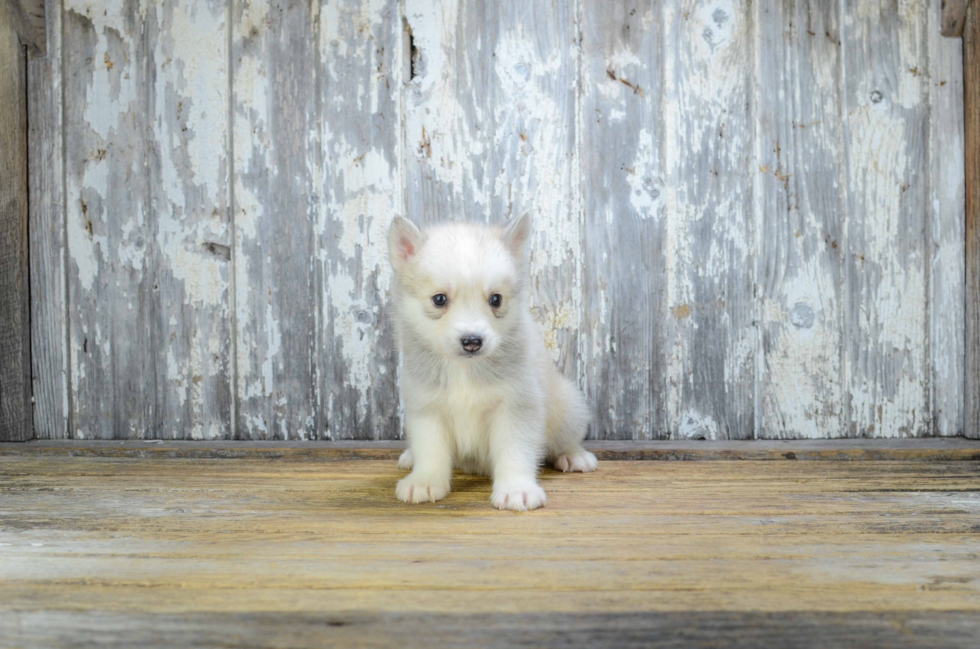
column 27, row 17
column 419, row 630
column 953, row 17
column 623, row 343
column 360, row 84
column 327, row 547
column 710, row 231
column 490, row 133
column 531, row 65
column 276, row 209
column 971, row 111
column 448, row 106
column 920, row 449
column 146, row 215
column 887, row 238
column 109, row 220
column 49, row 293
column 189, row 254
column 15, row 331
column 946, row 257
column 801, row 203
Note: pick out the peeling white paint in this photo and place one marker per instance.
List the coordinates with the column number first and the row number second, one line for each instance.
column 488, row 131
column 695, row 425
column 646, row 192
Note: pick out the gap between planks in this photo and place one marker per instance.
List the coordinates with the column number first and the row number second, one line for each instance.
column 918, row 449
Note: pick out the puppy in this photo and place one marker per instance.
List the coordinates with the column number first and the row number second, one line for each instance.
column 480, row 393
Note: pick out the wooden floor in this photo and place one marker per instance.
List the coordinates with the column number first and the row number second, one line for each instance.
column 301, row 552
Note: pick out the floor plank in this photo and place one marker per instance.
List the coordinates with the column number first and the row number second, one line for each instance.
column 937, row 449
column 262, row 552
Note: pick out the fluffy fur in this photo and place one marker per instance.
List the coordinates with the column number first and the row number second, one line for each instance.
column 497, row 411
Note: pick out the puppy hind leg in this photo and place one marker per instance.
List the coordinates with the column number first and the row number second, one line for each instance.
column 406, row 460
column 575, row 460
column 567, row 426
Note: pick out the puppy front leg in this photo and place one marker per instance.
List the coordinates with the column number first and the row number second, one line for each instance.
column 433, row 462
column 515, row 447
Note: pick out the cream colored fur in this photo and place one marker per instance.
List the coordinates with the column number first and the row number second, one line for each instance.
column 500, row 411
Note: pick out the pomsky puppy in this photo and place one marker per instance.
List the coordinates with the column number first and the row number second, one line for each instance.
column 480, row 393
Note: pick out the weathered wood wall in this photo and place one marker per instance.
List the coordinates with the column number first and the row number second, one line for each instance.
column 749, row 215
column 15, row 331
column 971, row 110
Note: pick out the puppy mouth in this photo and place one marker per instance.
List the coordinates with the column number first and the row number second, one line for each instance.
column 471, row 354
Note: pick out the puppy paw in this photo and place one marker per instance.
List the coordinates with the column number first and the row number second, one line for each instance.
column 580, row 460
column 421, row 489
column 407, row 460
column 518, row 495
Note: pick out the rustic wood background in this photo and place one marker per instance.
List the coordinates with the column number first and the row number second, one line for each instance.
column 749, row 215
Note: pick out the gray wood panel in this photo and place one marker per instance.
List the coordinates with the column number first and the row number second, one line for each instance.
column 971, row 110
column 624, row 342
column 188, row 235
column 108, row 220
column 49, row 334
column 689, row 167
column 360, row 76
column 27, row 17
column 800, row 212
column 15, row 333
column 886, row 274
column 946, row 256
column 275, row 115
column 448, row 110
column 710, row 166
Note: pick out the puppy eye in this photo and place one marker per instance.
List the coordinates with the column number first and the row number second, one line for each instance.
column 440, row 299
column 496, row 300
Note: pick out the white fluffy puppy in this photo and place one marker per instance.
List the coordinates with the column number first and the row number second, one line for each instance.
column 480, row 392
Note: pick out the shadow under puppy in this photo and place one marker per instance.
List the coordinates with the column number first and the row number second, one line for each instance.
column 480, row 393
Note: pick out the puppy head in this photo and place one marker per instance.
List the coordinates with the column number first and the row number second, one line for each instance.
column 460, row 285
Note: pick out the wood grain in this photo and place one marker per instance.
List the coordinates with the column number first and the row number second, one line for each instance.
column 624, row 345
column 697, row 629
column 448, row 106
column 710, row 160
column 886, row 274
column 971, row 110
column 15, row 332
column 800, row 206
column 276, row 209
column 837, row 450
column 109, row 216
column 27, row 17
column 49, row 293
column 359, row 68
column 202, row 542
column 946, row 344
column 188, row 234
column 953, row 17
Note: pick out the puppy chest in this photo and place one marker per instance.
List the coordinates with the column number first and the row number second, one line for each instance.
column 469, row 417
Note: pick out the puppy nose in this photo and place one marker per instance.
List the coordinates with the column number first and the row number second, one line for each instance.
column 471, row 343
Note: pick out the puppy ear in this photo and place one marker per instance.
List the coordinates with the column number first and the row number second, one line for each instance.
column 516, row 234
column 404, row 240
